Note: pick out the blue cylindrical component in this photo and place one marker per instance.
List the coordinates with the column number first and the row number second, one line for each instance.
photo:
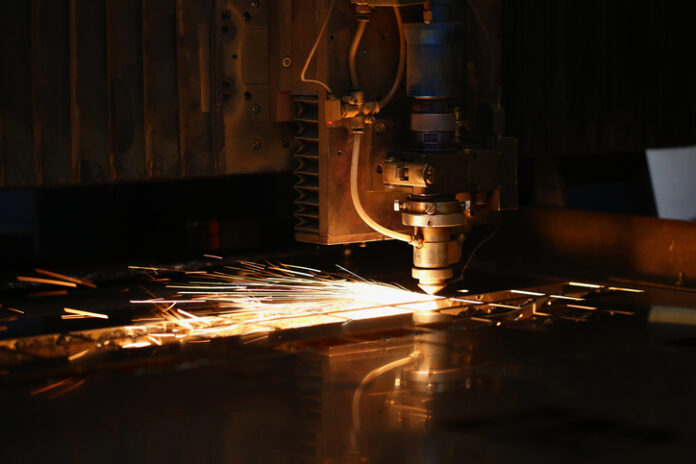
column 431, row 59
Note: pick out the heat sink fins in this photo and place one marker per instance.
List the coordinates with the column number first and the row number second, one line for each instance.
column 307, row 171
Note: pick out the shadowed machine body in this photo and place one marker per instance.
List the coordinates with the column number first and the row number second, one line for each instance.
column 259, row 164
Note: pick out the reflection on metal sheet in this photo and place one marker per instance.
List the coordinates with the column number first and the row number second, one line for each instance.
column 672, row 315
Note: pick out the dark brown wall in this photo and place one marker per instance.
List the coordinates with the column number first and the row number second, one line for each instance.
column 599, row 76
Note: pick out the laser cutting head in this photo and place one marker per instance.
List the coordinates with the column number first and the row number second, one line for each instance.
column 443, row 186
column 438, row 222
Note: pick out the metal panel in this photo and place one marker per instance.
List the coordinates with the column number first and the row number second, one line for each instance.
column 160, row 88
column 254, row 97
column 125, row 71
column 88, row 91
column 103, row 91
column 16, row 159
column 193, row 60
column 50, row 96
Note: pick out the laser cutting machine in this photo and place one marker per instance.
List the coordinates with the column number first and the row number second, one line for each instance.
column 390, row 116
column 390, row 112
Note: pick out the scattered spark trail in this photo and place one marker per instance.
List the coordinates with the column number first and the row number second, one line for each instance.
column 81, row 313
column 40, row 280
column 251, row 300
column 75, row 280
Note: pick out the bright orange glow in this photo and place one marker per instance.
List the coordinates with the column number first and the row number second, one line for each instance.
column 40, row 280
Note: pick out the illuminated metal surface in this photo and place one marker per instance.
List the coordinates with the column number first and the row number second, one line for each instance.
column 254, row 300
column 536, row 365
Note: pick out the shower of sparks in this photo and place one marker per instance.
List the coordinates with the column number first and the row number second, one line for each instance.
column 253, row 298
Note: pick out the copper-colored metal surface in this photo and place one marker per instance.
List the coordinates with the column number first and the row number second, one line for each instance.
column 607, row 244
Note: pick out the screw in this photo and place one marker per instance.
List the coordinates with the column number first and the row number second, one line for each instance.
column 256, row 145
column 430, row 208
column 286, row 62
column 429, row 175
column 256, row 109
column 255, row 4
column 380, row 128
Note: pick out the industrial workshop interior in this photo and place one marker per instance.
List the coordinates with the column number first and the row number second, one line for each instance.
column 347, row 231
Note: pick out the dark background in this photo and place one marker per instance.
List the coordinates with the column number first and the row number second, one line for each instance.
column 586, row 86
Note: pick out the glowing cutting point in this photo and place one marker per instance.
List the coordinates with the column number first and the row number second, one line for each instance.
column 432, row 281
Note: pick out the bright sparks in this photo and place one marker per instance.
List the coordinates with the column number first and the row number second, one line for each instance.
column 80, row 313
column 253, row 298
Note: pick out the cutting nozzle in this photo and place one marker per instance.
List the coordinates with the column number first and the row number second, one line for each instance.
column 432, row 281
column 431, row 289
